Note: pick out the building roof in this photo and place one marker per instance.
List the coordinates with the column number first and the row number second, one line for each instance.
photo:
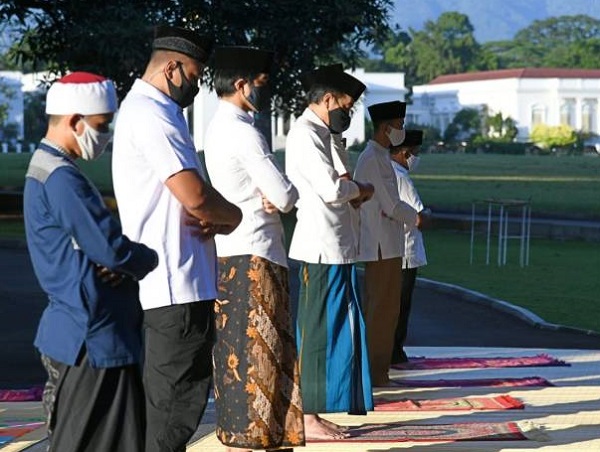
column 517, row 73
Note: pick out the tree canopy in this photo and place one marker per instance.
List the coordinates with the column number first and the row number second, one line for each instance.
column 448, row 46
column 114, row 40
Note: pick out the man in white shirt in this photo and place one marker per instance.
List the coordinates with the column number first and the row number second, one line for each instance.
column 254, row 350
column 165, row 203
column 330, row 328
column 405, row 159
column 382, row 236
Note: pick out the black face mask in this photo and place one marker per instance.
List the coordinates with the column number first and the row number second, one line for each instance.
column 339, row 120
column 182, row 95
column 260, row 97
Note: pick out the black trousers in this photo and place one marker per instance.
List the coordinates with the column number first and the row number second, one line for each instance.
column 409, row 277
column 93, row 410
column 177, row 372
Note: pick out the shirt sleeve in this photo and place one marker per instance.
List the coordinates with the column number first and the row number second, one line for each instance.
column 408, row 193
column 163, row 138
column 78, row 208
column 316, row 167
column 267, row 176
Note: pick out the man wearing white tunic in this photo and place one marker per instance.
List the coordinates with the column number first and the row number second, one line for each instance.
column 256, row 378
column 382, row 236
column 405, row 159
column 330, row 329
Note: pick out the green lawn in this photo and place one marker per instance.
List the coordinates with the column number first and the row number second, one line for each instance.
column 560, row 284
column 565, row 186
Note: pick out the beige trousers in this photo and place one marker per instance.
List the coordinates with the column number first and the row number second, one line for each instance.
column 381, row 306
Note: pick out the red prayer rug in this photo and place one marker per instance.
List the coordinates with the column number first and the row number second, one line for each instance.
column 33, row 394
column 421, row 362
column 494, row 382
column 472, row 431
column 503, row 402
column 11, row 429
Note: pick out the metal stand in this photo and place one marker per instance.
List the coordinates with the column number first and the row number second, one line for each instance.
column 504, row 207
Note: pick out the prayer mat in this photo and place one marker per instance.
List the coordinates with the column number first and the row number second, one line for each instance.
column 33, row 394
column 420, row 362
column 503, row 402
column 10, row 429
column 494, row 382
column 472, row 431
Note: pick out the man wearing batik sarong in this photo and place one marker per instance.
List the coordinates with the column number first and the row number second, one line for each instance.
column 256, row 378
column 331, row 341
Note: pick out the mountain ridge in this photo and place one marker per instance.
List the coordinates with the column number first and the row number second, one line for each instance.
column 493, row 20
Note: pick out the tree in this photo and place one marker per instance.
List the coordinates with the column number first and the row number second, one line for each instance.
column 549, row 137
column 447, row 46
column 465, row 125
column 566, row 41
column 114, row 40
column 7, row 94
column 499, row 128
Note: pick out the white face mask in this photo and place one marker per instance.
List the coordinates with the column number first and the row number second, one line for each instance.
column 413, row 162
column 91, row 142
column 396, row 136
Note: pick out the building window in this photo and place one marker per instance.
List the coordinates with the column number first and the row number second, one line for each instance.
column 567, row 112
column 589, row 115
column 538, row 113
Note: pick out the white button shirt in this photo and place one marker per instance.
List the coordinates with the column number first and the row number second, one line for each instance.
column 414, row 248
column 151, row 143
column 382, row 218
column 242, row 168
column 323, row 232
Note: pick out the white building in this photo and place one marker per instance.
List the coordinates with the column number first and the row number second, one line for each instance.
column 381, row 87
column 529, row 96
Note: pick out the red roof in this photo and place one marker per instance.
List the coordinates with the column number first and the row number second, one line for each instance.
column 517, row 73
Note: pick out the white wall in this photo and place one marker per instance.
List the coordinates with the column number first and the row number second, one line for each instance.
column 514, row 97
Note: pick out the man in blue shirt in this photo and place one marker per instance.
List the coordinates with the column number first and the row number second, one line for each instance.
column 90, row 332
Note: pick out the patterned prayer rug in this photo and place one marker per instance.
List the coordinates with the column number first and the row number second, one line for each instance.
column 503, row 402
column 472, row 431
column 494, row 382
column 10, row 429
column 421, row 362
column 32, row 394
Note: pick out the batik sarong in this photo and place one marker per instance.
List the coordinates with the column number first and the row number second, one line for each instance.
column 332, row 349
column 256, row 378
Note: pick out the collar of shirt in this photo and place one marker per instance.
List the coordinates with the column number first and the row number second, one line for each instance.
column 379, row 147
column 399, row 168
column 312, row 117
column 146, row 89
column 233, row 110
column 53, row 148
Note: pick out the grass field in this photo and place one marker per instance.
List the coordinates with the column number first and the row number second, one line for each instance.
column 559, row 187
column 561, row 283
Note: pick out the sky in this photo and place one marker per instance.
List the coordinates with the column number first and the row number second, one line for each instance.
column 492, row 19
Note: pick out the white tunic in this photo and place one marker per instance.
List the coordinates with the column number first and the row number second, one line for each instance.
column 242, row 168
column 152, row 143
column 323, row 232
column 414, row 248
column 382, row 218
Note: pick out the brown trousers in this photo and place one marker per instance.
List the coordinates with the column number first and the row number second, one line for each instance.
column 381, row 305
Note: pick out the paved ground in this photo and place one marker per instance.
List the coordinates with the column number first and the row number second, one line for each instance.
column 441, row 318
